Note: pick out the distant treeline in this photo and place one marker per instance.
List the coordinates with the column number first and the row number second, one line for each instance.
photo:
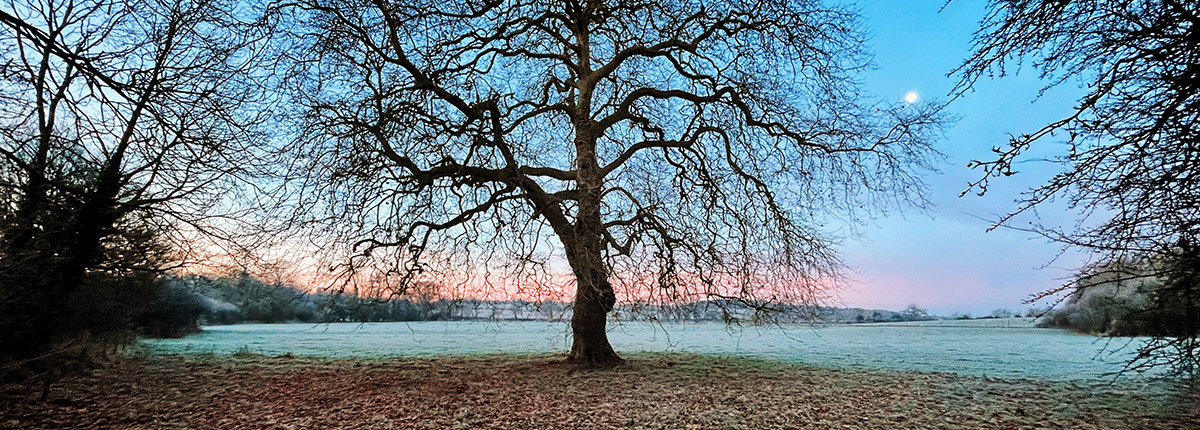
column 913, row 312
column 857, row 315
column 186, row 302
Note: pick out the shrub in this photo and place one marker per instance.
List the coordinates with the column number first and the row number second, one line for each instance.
column 175, row 312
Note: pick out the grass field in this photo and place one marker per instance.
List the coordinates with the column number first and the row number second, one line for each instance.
column 968, row 347
column 650, row 391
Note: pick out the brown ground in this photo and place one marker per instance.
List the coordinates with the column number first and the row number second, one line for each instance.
column 660, row 391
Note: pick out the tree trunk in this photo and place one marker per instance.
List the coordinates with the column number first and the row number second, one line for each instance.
column 588, row 322
column 594, row 296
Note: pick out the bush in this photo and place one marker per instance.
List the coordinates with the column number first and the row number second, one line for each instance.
column 176, row 312
column 1121, row 301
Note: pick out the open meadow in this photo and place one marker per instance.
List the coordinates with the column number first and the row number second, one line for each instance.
column 1009, row 348
column 435, row 375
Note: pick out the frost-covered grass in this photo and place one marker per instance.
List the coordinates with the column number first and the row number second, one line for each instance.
column 1009, row 353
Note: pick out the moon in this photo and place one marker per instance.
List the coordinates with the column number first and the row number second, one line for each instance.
column 911, row 97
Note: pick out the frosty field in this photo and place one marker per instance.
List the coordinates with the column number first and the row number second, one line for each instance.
column 994, row 349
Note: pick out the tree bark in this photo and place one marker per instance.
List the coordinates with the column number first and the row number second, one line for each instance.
column 594, row 298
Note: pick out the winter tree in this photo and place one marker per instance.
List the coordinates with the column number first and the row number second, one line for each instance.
column 666, row 152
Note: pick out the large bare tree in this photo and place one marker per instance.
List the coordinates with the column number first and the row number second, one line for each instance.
column 1130, row 150
column 123, row 124
column 667, row 151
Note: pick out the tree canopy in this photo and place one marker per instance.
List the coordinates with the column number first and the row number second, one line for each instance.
column 664, row 151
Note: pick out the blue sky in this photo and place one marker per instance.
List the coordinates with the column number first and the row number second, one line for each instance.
column 944, row 259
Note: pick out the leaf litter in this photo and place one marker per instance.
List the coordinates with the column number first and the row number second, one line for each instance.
column 650, row 391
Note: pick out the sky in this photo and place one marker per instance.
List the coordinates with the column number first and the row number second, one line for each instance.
column 944, row 259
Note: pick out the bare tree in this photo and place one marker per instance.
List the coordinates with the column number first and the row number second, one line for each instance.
column 124, row 123
column 672, row 152
column 1131, row 154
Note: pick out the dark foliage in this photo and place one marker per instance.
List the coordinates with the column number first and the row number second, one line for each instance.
column 176, row 311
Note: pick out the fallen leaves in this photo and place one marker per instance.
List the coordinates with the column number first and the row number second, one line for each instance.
column 655, row 391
